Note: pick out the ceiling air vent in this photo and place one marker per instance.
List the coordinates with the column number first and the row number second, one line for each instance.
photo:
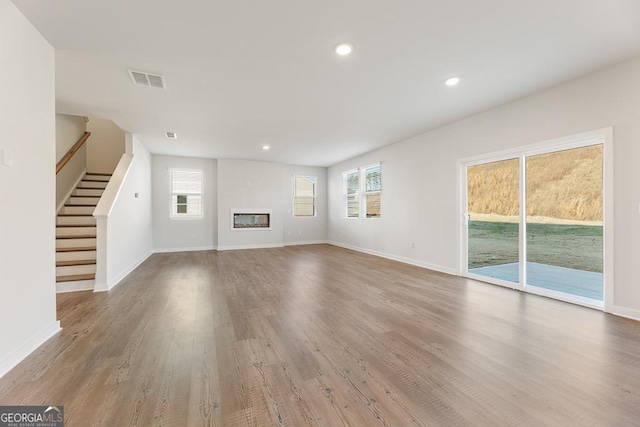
column 171, row 135
column 146, row 79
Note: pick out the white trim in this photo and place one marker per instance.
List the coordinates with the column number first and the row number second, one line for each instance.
column 112, row 283
column 562, row 296
column 79, row 285
column 240, row 247
column 176, row 216
column 306, row 242
column 403, row 260
column 522, row 221
column 293, row 198
column 111, row 192
column 362, row 191
column 536, row 290
column 31, row 345
column 371, row 165
column 189, row 249
column 187, row 218
column 73, row 188
column 493, row 281
column 629, row 313
column 608, row 220
column 101, row 253
column 461, row 232
column 345, row 193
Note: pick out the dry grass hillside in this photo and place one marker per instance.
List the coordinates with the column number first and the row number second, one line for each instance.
column 566, row 184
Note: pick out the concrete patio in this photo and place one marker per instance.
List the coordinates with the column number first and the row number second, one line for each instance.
column 586, row 284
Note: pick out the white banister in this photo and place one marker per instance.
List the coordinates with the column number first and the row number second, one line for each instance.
column 101, row 213
column 123, row 217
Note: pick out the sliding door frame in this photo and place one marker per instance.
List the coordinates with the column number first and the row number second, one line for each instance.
column 601, row 136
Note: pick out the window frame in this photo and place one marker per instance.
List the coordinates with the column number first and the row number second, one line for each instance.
column 361, row 193
column 366, row 193
column 345, row 182
column 600, row 136
column 313, row 179
column 173, row 214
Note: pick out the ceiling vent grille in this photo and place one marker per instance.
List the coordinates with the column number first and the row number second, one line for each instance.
column 171, row 135
column 146, row 79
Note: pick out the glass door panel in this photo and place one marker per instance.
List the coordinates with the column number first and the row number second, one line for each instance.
column 493, row 225
column 564, row 221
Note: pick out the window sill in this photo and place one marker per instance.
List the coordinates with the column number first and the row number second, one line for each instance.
column 367, row 219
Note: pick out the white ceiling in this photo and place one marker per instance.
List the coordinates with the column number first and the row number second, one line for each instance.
column 245, row 73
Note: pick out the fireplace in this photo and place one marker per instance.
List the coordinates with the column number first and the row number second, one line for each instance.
column 251, row 219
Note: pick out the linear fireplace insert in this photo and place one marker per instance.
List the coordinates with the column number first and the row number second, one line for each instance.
column 248, row 220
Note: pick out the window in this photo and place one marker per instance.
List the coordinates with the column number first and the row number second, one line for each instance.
column 186, row 193
column 304, row 195
column 352, row 187
column 363, row 190
column 373, row 188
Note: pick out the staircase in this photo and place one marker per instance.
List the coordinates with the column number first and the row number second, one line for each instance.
column 76, row 234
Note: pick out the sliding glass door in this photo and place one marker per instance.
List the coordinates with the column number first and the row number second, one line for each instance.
column 492, row 221
column 534, row 220
column 564, row 221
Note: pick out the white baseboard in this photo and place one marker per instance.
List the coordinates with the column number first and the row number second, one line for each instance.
column 112, row 283
column 79, row 285
column 229, row 248
column 100, row 287
column 239, row 247
column 409, row 261
column 307, row 242
column 191, row 249
column 27, row 348
column 626, row 312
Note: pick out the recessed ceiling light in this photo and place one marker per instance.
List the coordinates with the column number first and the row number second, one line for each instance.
column 343, row 49
column 452, row 81
column 265, row 147
column 171, row 135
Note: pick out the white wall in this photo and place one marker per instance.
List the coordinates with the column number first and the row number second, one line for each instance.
column 300, row 230
column 27, row 189
column 129, row 231
column 420, row 174
column 68, row 130
column 249, row 184
column 184, row 234
column 105, row 146
column 236, row 184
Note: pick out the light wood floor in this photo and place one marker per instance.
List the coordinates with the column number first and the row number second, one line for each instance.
column 318, row 335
